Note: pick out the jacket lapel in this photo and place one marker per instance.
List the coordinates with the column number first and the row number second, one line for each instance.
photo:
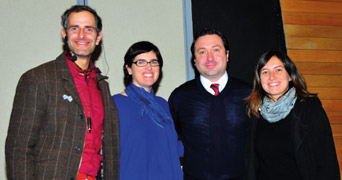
column 299, row 130
column 68, row 82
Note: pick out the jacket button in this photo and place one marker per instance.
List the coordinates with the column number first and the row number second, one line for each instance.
column 77, row 148
column 72, row 178
column 81, row 116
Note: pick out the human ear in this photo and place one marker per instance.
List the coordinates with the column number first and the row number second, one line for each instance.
column 129, row 69
column 99, row 37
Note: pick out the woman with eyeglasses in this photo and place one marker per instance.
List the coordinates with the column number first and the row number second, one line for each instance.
column 289, row 136
column 149, row 147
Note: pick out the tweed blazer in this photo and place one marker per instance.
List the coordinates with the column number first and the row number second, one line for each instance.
column 47, row 129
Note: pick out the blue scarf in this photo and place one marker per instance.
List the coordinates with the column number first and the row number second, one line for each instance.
column 149, row 105
column 276, row 111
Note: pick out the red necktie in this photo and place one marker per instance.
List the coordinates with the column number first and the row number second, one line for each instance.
column 215, row 87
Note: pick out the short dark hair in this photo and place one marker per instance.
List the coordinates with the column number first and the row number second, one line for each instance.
column 136, row 49
column 79, row 8
column 204, row 32
column 298, row 82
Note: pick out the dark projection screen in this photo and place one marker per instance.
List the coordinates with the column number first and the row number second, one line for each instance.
column 251, row 27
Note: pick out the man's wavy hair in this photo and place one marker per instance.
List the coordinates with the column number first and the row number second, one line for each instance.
column 203, row 32
column 79, row 8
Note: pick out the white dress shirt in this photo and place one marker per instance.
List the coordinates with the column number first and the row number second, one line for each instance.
column 222, row 83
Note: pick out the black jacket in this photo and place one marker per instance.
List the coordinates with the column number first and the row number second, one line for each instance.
column 313, row 143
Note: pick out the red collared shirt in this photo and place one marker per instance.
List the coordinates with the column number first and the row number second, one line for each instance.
column 92, row 104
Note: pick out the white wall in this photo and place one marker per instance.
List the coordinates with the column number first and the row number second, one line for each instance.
column 30, row 35
column 158, row 21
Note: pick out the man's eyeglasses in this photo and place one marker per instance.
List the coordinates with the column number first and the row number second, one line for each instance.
column 143, row 63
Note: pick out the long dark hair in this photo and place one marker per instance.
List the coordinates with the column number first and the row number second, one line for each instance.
column 298, row 82
column 136, row 49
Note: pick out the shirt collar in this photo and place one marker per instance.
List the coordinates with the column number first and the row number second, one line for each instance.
column 222, row 82
column 76, row 70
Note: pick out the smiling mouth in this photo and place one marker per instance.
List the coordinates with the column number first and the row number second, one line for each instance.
column 210, row 66
column 82, row 43
column 274, row 84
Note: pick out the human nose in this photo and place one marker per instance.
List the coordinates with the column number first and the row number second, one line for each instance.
column 271, row 76
column 81, row 33
column 210, row 56
column 149, row 65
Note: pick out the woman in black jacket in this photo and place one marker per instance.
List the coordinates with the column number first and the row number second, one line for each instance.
column 289, row 135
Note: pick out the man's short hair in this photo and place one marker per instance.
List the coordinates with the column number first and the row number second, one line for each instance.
column 204, row 32
column 79, row 8
column 207, row 31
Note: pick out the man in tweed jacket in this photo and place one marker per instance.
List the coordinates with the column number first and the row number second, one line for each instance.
column 49, row 125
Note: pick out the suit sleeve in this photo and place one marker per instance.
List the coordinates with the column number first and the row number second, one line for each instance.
column 24, row 128
column 327, row 167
